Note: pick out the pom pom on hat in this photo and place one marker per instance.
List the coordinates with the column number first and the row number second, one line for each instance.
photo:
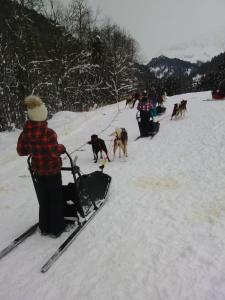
column 36, row 108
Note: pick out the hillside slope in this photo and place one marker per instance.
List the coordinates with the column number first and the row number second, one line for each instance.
column 160, row 236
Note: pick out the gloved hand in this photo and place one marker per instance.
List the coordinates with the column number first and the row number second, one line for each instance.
column 63, row 148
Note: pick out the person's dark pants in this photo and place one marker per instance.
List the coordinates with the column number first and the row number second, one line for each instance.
column 51, row 204
column 70, row 192
column 144, row 115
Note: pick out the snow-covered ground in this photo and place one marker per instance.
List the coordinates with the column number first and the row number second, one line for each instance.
column 161, row 235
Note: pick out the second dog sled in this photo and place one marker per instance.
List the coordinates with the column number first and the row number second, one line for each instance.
column 160, row 110
column 147, row 129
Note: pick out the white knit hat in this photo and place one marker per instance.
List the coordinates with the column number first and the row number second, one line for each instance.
column 36, row 108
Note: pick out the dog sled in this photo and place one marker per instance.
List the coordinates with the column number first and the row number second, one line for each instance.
column 84, row 193
column 88, row 195
column 160, row 110
column 147, row 128
column 219, row 94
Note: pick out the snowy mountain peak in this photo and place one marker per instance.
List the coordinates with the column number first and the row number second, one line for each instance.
column 163, row 66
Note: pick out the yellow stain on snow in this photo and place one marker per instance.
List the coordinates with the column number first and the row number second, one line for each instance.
column 156, row 183
column 210, row 214
column 3, row 189
column 66, row 130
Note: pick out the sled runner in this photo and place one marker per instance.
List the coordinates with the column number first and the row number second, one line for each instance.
column 147, row 129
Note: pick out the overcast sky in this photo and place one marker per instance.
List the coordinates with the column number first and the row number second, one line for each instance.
column 159, row 25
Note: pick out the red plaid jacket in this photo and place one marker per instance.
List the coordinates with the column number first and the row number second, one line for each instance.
column 40, row 142
column 144, row 105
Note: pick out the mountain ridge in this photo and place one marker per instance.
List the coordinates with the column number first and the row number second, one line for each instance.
column 163, row 66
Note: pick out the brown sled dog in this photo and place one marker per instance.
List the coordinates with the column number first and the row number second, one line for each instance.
column 120, row 141
column 182, row 108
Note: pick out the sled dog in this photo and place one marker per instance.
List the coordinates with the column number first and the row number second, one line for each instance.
column 98, row 145
column 182, row 108
column 120, row 141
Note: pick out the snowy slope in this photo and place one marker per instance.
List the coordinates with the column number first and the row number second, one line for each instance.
column 160, row 236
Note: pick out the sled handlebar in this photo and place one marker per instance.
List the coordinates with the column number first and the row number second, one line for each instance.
column 73, row 168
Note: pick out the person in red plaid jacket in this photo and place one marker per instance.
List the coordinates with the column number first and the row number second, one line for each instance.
column 41, row 143
column 145, row 106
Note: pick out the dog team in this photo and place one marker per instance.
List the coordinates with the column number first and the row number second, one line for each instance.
column 121, row 136
column 119, row 143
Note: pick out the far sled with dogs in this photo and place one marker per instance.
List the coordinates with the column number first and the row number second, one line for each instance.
column 219, row 94
column 147, row 126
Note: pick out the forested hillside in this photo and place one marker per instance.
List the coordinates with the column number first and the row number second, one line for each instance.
column 212, row 73
column 72, row 61
column 69, row 61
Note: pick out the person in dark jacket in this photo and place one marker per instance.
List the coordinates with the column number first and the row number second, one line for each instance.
column 40, row 142
column 144, row 106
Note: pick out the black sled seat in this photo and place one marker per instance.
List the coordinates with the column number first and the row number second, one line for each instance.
column 83, row 192
column 147, row 128
column 86, row 189
column 93, row 187
column 160, row 110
